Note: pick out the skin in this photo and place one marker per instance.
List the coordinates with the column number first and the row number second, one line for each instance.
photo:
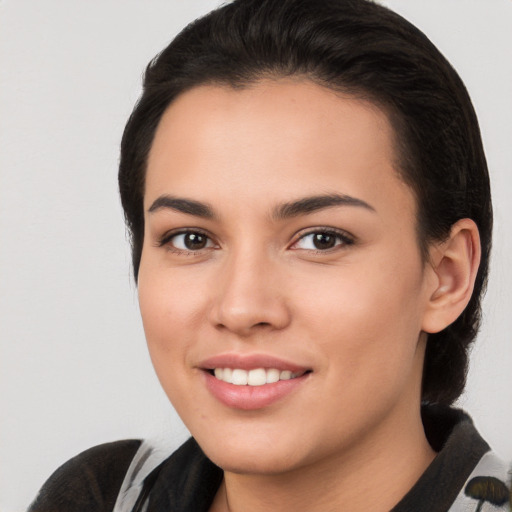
column 350, row 436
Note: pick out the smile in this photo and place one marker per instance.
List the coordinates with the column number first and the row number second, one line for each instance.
column 254, row 377
column 252, row 381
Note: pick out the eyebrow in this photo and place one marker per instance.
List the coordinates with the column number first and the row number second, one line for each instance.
column 284, row 211
column 188, row 206
column 314, row 203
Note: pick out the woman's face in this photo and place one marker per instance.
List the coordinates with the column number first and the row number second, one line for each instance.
column 280, row 242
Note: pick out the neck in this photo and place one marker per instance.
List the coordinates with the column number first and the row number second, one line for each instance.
column 374, row 474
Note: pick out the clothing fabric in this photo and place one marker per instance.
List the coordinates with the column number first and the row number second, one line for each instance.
column 135, row 476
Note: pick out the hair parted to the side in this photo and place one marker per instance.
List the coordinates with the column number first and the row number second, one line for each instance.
column 360, row 48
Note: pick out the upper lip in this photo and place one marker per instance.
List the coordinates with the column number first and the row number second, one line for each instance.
column 250, row 362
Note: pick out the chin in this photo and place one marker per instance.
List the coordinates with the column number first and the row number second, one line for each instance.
column 250, row 454
column 259, row 462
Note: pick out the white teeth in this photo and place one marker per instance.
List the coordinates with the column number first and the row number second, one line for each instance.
column 239, row 377
column 256, row 377
column 272, row 375
column 227, row 375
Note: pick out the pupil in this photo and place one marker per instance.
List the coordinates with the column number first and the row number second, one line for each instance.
column 195, row 241
column 324, row 241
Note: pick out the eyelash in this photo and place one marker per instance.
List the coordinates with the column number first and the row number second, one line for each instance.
column 167, row 237
column 343, row 237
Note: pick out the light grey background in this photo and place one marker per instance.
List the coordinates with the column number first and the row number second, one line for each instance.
column 73, row 364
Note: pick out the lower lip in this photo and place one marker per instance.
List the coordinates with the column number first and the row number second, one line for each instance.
column 251, row 397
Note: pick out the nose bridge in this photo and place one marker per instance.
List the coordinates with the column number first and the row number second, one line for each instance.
column 250, row 294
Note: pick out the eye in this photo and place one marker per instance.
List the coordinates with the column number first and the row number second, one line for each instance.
column 187, row 241
column 322, row 240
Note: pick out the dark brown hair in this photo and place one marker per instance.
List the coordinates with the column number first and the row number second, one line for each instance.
column 360, row 48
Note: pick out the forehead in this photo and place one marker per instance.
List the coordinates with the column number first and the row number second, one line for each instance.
column 274, row 139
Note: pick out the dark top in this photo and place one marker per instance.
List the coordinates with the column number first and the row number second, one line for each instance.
column 187, row 481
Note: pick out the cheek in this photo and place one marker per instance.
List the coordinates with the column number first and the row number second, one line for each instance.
column 367, row 317
column 168, row 318
column 169, row 311
column 168, row 300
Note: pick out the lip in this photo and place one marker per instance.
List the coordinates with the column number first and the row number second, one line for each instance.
column 250, row 362
column 249, row 398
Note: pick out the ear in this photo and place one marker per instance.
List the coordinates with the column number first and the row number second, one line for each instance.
column 454, row 264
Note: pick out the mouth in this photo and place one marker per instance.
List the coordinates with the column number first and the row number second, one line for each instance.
column 254, row 377
column 251, row 382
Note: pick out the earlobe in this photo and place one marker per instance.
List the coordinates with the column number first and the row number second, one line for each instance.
column 455, row 263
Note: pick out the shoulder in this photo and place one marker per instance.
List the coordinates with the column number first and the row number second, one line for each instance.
column 89, row 481
column 185, row 481
column 488, row 487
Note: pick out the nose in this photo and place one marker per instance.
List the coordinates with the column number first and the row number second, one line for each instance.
column 250, row 296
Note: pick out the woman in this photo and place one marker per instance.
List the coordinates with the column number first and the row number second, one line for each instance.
column 310, row 218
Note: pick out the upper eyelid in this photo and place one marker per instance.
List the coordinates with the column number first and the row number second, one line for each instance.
column 168, row 235
column 324, row 229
